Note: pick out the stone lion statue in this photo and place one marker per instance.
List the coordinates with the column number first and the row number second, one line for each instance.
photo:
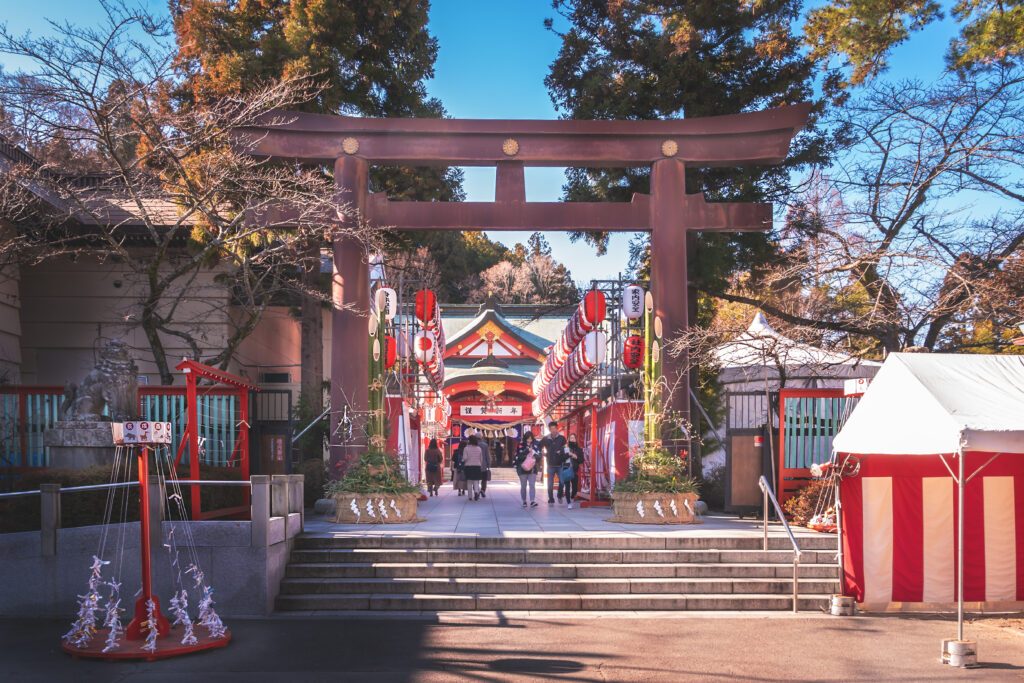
column 112, row 384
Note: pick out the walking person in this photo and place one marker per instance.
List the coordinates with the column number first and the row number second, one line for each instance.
column 575, row 460
column 527, row 462
column 434, row 460
column 553, row 448
column 473, row 465
column 458, row 474
column 487, row 467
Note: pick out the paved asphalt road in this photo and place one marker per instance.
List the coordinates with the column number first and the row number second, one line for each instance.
column 538, row 648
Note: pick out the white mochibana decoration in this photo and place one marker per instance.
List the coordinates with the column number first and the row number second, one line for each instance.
column 640, row 508
column 112, row 618
column 152, row 633
column 672, row 505
column 208, row 616
column 369, row 508
column 179, row 608
column 394, row 507
column 84, row 626
column 657, row 508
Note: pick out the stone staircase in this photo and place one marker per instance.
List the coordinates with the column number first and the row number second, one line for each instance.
column 555, row 573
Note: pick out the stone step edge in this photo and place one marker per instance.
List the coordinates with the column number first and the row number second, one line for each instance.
column 456, row 580
column 699, row 599
column 531, row 565
column 548, row 542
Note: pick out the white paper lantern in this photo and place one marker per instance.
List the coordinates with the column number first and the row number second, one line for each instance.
column 387, row 303
column 424, row 346
column 633, row 302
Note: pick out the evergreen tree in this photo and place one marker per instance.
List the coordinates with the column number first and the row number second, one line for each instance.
column 658, row 59
column 369, row 58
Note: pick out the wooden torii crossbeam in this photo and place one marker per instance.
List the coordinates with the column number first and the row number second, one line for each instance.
column 668, row 212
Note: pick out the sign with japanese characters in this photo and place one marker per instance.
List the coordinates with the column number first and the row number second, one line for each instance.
column 498, row 410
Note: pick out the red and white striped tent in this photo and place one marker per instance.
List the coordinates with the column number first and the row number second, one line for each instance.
column 926, row 422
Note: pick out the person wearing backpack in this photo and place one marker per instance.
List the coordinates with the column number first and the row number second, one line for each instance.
column 526, row 462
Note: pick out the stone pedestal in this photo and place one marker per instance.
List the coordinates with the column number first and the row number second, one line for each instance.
column 79, row 444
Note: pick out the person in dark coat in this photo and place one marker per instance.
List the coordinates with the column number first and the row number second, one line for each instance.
column 458, row 478
column 571, row 487
column 553, row 448
column 434, row 460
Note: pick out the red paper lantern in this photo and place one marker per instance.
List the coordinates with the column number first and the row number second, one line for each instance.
column 426, row 307
column 593, row 307
column 633, row 351
column 390, row 351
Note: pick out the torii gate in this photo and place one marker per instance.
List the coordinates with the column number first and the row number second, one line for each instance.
column 666, row 146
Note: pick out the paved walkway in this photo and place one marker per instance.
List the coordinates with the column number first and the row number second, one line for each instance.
column 790, row 648
column 501, row 514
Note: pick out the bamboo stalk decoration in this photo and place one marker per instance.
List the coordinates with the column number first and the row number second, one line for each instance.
column 652, row 374
column 375, row 425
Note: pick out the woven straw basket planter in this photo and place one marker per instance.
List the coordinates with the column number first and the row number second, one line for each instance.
column 653, row 508
column 376, row 508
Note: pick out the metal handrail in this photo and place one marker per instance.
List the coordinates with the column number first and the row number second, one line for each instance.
column 766, row 489
column 97, row 487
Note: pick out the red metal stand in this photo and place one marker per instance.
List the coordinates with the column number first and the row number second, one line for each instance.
column 139, row 626
column 135, row 633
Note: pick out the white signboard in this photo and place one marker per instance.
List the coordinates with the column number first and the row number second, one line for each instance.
column 481, row 410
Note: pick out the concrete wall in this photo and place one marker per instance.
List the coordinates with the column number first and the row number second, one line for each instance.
column 244, row 561
column 66, row 305
column 52, row 314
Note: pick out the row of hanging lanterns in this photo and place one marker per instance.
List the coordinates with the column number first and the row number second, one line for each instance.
column 589, row 314
column 429, row 344
column 587, row 355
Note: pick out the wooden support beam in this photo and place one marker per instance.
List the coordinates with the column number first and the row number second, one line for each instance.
column 740, row 139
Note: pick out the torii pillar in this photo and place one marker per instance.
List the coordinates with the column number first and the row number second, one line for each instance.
column 669, row 279
column 350, row 295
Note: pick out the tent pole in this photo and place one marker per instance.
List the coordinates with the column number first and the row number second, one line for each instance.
column 960, row 554
column 839, row 534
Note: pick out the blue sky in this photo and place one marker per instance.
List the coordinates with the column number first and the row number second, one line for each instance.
column 492, row 62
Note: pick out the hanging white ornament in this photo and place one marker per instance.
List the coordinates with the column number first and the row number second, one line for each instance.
column 640, row 507
column 354, row 508
column 657, row 508
column 369, row 508
column 633, row 302
column 387, row 303
column 672, row 505
column 394, row 507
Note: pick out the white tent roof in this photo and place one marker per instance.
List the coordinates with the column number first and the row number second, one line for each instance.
column 762, row 345
column 922, row 404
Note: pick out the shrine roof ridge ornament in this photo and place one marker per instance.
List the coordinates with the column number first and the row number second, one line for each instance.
column 760, row 137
